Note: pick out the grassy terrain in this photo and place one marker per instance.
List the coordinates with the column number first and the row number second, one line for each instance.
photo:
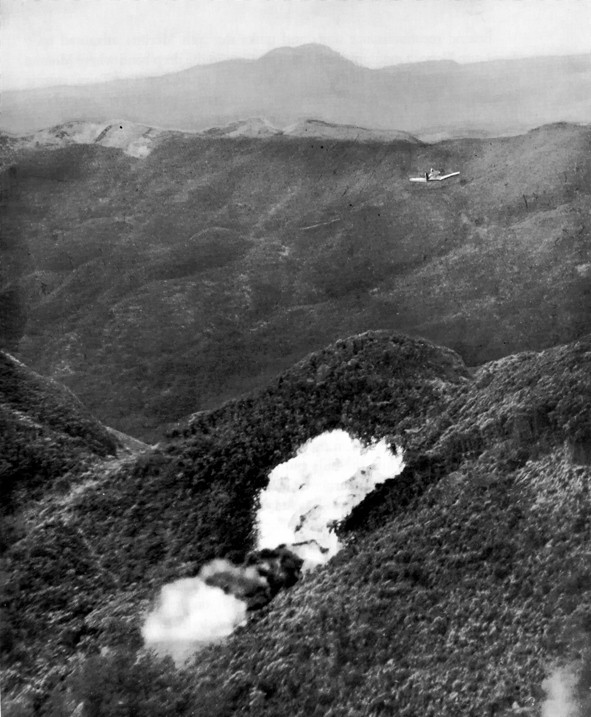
column 464, row 579
column 156, row 287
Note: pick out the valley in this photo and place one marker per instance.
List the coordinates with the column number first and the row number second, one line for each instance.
column 160, row 285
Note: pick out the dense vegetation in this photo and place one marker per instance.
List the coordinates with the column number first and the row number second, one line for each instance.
column 14, row 258
column 163, row 285
column 462, row 581
column 168, row 513
column 45, row 433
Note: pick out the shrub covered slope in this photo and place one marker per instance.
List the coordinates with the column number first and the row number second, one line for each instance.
column 463, row 580
column 45, row 432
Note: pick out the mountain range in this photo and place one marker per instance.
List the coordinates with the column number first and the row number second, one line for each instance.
column 433, row 99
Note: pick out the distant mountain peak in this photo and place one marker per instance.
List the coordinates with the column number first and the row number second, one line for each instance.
column 311, row 49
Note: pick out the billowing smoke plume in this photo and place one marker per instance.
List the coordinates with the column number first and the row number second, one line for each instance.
column 309, row 494
column 305, row 498
column 560, row 694
column 195, row 612
column 190, row 614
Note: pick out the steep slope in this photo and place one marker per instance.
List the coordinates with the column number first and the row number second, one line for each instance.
column 131, row 530
column 196, row 273
column 15, row 260
column 291, row 84
column 45, row 434
column 465, row 579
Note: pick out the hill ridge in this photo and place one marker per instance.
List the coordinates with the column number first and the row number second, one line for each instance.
column 477, row 550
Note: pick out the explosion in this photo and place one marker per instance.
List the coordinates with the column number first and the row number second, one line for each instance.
column 191, row 614
column 305, row 498
column 195, row 612
column 309, row 494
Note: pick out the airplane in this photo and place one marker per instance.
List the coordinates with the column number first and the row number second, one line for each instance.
column 433, row 175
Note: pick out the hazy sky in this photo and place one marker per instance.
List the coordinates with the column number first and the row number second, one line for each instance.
column 44, row 42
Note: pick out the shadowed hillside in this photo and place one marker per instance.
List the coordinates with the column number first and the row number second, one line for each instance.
column 197, row 272
column 47, row 436
column 14, row 257
column 464, row 581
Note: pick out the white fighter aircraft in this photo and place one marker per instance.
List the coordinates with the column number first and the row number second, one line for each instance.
column 433, row 175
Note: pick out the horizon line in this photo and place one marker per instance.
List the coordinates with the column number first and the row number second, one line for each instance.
column 442, row 60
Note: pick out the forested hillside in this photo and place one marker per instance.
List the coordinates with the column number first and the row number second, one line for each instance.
column 45, row 432
column 465, row 580
column 158, row 285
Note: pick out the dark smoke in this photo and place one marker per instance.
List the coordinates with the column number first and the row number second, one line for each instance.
column 263, row 574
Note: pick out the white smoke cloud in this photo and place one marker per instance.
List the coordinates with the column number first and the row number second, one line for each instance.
column 189, row 615
column 305, row 497
column 560, row 700
column 308, row 494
